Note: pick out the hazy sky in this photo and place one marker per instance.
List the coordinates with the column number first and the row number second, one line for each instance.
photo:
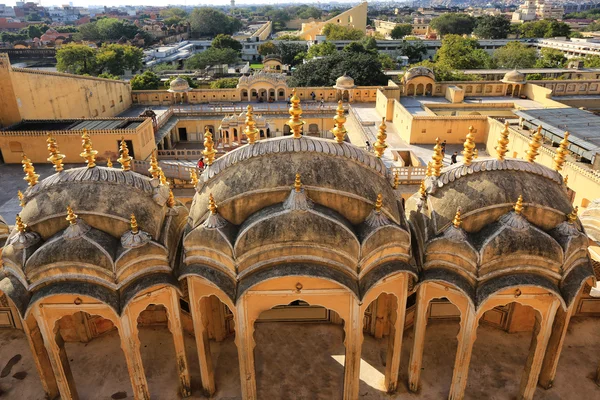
column 85, row 3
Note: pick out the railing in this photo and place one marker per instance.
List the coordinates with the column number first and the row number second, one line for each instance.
column 172, row 171
column 164, row 117
column 365, row 132
column 258, row 107
column 180, row 154
column 410, row 174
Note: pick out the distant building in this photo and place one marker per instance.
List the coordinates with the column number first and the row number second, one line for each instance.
column 538, row 9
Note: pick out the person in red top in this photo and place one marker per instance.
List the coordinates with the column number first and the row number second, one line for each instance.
column 201, row 164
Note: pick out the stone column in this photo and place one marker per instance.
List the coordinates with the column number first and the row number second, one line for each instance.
column 57, row 356
column 555, row 345
column 420, row 326
column 130, row 343
column 541, row 334
column 392, row 365
column 466, row 337
column 40, row 357
column 207, row 374
column 176, row 329
column 244, row 340
column 353, row 344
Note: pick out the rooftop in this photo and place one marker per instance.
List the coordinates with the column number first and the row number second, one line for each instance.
column 75, row 124
column 417, row 105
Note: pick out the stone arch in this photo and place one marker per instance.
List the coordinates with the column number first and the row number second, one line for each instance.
column 410, row 90
column 420, row 89
column 429, row 89
column 244, row 95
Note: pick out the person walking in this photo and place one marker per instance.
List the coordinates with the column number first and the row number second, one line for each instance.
column 444, row 147
column 453, row 158
column 322, row 102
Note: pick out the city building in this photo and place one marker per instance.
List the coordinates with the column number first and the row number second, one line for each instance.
column 538, row 9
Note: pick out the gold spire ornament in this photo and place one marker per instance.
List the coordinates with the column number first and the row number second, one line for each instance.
column 422, row 190
column 134, row 225
column 171, row 199
column 561, row 153
column 21, row 226
column 209, row 151
column 193, row 177
column 162, row 178
column 566, row 180
column 396, row 179
column 379, row 203
column 295, row 123
column 108, row 162
column 88, row 153
column 468, row 147
column 30, row 176
column 475, row 154
column 55, row 156
column 502, row 146
column 437, row 159
column 154, row 168
column 572, row 217
column 124, row 160
column 534, row 145
column 457, row 220
column 71, row 216
column 429, row 169
column 519, row 205
column 297, row 183
column 212, row 204
column 339, row 131
column 251, row 132
column 380, row 145
column 21, row 198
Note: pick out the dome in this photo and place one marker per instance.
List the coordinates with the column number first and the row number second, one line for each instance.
column 344, row 82
column 415, row 72
column 179, row 85
column 514, row 76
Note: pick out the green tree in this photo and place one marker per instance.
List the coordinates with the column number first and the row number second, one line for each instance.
column 10, row 37
column 534, row 77
column 35, row 31
column 386, row 61
column 515, row 55
column 369, row 43
column 577, row 35
column 212, row 56
column 321, row 50
column 591, row 62
column 116, row 58
column 338, row 32
column 415, row 50
column 107, row 29
column 106, row 75
column 146, row 81
column 401, row 30
column 365, row 68
column 290, row 38
column 222, row 41
column 544, row 28
column 443, row 73
column 551, row 58
column 356, row 47
column 210, row 22
column 457, row 52
column 267, row 48
column 76, row 59
column 291, row 53
column 492, row 27
column 224, row 83
column 453, row 23
column 173, row 15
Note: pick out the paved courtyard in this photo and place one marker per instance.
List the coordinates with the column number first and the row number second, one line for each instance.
column 306, row 362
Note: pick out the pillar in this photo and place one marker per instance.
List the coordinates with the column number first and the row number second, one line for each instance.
column 420, row 326
column 466, row 337
column 40, row 357
column 57, row 356
column 244, row 340
column 541, row 335
column 130, row 343
column 392, row 365
column 207, row 374
column 176, row 328
column 353, row 344
column 555, row 345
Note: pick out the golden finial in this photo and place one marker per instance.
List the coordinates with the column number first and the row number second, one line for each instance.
column 55, row 157
column 193, row 177
column 566, row 180
column 162, row 178
column 475, row 154
column 469, row 146
column 502, row 146
column 519, row 205
column 437, row 159
column 297, row 183
column 209, row 151
column 251, row 132
column 88, row 153
column 396, row 179
column 339, row 131
column 30, row 176
column 171, row 199
column 154, row 168
column 134, row 225
column 379, row 203
column 21, row 198
column 534, row 145
column 572, row 217
column 124, row 160
column 295, row 123
column 429, row 169
column 561, row 153
column 21, row 226
column 212, row 205
column 108, row 162
column 71, row 216
column 457, row 220
column 422, row 190
column 380, row 145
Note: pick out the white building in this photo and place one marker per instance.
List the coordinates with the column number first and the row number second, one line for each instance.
column 6, row 11
column 538, row 9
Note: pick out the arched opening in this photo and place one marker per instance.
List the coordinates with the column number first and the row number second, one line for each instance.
column 313, row 130
column 268, row 132
column 517, row 90
column 210, row 128
column 158, row 352
column 261, row 133
column 346, row 96
column 286, row 130
column 509, row 89
column 288, row 348
column 410, row 91
column 281, row 94
column 89, row 344
column 244, row 95
column 254, row 94
column 429, row 89
column 271, row 94
column 235, row 135
column 420, row 90
column 262, row 96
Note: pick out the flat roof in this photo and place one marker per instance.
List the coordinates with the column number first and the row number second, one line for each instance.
column 75, row 125
column 583, row 126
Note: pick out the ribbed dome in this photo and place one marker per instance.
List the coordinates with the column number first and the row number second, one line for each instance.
column 514, row 76
column 414, row 72
column 344, row 82
column 179, row 85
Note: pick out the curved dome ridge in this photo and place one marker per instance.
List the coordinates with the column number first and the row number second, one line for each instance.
column 289, row 144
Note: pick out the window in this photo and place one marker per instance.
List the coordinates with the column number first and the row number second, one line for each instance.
column 423, row 130
column 15, row 147
column 449, row 131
